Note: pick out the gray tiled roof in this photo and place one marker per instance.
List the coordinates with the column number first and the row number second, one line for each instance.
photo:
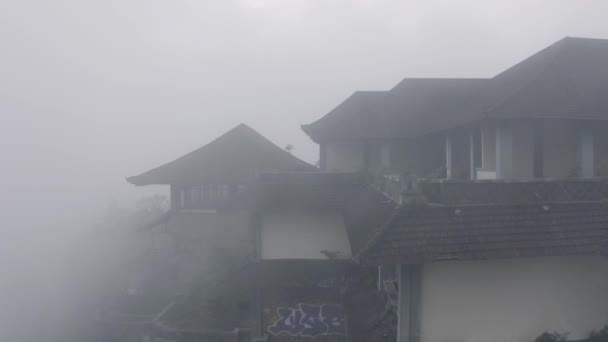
column 567, row 80
column 238, row 156
column 426, row 233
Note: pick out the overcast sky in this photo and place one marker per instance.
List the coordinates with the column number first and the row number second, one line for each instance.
column 94, row 91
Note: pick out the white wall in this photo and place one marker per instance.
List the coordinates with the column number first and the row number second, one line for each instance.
column 300, row 234
column 344, row 156
column 513, row 300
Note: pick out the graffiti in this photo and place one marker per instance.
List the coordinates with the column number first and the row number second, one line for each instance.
column 310, row 320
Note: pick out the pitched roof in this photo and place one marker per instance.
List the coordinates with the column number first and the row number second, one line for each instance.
column 413, row 107
column 430, row 233
column 565, row 80
column 568, row 79
column 239, row 155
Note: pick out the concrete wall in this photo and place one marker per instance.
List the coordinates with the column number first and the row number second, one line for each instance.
column 304, row 313
column 513, row 300
column 424, row 157
column 600, row 141
column 301, row 234
column 344, row 156
column 380, row 155
column 460, row 144
column 523, row 150
column 488, row 147
column 560, row 149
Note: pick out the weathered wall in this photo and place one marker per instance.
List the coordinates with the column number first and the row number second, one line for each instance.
column 523, row 150
column 513, row 300
column 461, row 152
column 379, row 155
column 344, row 156
column 522, row 161
column 560, row 149
column 303, row 234
column 488, row 147
column 600, row 142
column 304, row 313
column 424, row 157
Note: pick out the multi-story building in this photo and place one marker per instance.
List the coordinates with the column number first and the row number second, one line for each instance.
column 267, row 237
column 503, row 227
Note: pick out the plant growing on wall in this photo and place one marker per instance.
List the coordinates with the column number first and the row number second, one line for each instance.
column 552, row 337
column 599, row 335
column 595, row 336
column 601, row 169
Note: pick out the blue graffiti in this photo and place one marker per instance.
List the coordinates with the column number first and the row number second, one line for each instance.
column 310, row 320
column 334, row 318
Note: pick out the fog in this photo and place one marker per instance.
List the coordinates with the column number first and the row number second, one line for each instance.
column 94, row 91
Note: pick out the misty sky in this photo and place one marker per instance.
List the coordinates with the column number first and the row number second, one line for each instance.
column 94, row 91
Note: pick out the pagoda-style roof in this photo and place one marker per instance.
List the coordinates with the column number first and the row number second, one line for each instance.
column 238, row 156
column 567, row 80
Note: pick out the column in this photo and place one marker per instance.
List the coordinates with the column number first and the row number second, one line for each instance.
column 539, row 143
column 409, row 303
column 586, row 153
column 404, row 305
column 448, row 157
column 504, row 152
column 472, row 173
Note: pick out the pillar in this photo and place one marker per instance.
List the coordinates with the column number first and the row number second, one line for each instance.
column 586, row 153
column 539, row 142
column 408, row 304
column 472, row 168
column 449, row 165
column 504, row 152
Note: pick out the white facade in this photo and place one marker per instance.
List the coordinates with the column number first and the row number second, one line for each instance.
column 303, row 234
column 512, row 300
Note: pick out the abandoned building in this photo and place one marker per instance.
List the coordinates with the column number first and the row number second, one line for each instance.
column 501, row 234
column 479, row 204
column 268, row 237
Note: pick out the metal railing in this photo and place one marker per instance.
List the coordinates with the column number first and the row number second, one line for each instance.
column 462, row 192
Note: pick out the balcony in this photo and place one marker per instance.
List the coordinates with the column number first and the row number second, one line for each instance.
column 466, row 192
column 208, row 197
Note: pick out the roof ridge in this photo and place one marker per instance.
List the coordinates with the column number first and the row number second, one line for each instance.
column 430, row 79
column 553, row 49
column 236, row 136
column 583, row 38
column 497, row 205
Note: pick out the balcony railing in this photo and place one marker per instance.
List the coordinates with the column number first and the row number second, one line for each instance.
column 462, row 192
